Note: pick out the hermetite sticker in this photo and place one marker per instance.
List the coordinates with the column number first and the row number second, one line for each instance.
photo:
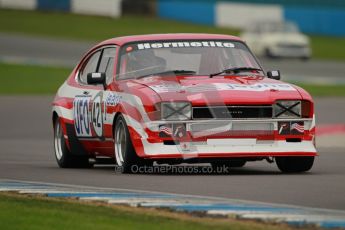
column 183, row 44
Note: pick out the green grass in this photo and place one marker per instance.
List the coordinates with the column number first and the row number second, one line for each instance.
column 324, row 90
column 93, row 28
column 22, row 212
column 29, row 79
column 328, row 47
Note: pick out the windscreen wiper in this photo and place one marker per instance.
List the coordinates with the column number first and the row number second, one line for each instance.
column 175, row 72
column 235, row 70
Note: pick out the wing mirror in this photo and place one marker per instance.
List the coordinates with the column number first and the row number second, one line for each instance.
column 274, row 74
column 96, row 79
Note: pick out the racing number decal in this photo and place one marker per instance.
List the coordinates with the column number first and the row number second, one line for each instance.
column 82, row 116
column 90, row 114
column 97, row 118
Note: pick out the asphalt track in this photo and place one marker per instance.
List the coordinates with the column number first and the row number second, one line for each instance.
column 26, row 150
column 51, row 51
column 26, row 153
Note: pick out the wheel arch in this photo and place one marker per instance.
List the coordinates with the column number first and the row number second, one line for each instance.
column 114, row 122
column 72, row 141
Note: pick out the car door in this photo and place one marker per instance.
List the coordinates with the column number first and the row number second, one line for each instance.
column 105, row 98
column 88, row 105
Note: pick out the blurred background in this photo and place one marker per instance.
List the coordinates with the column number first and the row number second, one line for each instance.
column 42, row 40
column 304, row 39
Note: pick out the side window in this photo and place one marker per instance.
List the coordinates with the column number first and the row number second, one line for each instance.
column 89, row 66
column 107, row 63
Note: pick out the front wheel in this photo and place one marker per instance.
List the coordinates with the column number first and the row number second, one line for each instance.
column 294, row 164
column 125, row 154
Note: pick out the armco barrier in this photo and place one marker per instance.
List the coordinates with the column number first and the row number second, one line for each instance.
column 323, row 17
column 239, row 15
column 319, row 17
column 328, row 21
column 202, row 12
column 19, row 4
column 100, row 7
column 61, row 5
column 110, row 8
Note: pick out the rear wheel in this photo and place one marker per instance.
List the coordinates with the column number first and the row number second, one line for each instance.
column 64, row 157
column 294, row 164
column 125, row 154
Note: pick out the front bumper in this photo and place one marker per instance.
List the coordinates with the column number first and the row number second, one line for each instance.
column 232, row 143
column 210, row 150
column 290, row 52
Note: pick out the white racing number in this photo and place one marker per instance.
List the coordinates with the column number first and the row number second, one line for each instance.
column 81, row 116
column 97, row 118
column 90, row 113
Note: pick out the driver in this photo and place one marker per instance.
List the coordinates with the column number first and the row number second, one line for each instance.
column 145, row 62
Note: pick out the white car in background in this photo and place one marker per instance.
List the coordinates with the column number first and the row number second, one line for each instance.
column 277, row 39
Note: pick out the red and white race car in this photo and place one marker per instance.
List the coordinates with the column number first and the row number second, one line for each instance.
column 174, row 98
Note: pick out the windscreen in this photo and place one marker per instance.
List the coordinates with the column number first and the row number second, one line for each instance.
column 280, row 27
column 197, row 57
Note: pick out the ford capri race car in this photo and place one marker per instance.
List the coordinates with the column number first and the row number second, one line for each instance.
column 174, row 98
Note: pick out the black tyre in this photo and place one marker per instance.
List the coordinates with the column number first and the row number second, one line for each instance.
column 64, row 157
column 232, row 163
column 268, row 53
column 125, row 154
column 237, row 163
column 305, row 58
column 294, row 164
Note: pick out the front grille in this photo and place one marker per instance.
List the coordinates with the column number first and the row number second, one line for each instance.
column 232, row 112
